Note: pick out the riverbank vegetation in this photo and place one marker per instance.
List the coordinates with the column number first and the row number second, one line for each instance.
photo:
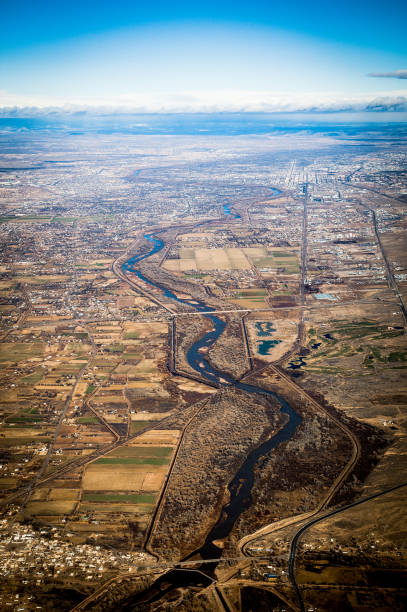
column 216, row 443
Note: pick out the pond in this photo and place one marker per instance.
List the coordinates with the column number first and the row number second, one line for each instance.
column 264, row 328
column 264, row 346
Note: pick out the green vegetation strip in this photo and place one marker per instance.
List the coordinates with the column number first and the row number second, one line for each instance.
column 138, row 425
column 90, row 420
column 131, row 335
column 252, row 292
column 264, row 262
column 116, row 348
column 132, row 460
column 114, row 497
column 32, row 379
column 25, row 419
column 18, row 351
column 22, row 219
column 141, row 451
column 398, row 356
column 251, row 298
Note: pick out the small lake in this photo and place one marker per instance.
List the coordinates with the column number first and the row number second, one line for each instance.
column 298, row 363
column 265, row 329
column 325, row 296
column 264, row 346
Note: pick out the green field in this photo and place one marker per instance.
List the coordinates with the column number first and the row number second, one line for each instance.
column 142, row 451
column 264, row 262
column 27, row 418
column 252, row 293
column 251, row 299
column 19, row 351
column 131, row 335
column 397, row 356
column 195, row 274
column 131, row 356
column 136, row 426
column 132, row 460
column 81, row 335
column 282, row 254
column 283, row 292
column 88, row 420
column 34, row 218
column 33, row 379
column 278, row 259
column 68, row 368
column 116, row 497
column 115, row 348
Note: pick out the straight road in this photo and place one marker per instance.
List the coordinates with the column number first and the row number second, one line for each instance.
column 390, row 276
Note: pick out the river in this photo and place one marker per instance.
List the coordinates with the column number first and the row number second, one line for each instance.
column 240, row 487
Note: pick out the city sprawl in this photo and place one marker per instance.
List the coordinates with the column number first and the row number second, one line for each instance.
column 203, row 359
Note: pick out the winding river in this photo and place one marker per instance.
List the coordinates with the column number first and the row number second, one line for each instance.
column 240, row 487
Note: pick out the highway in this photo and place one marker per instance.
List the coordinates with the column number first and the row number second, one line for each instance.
column 390, row 276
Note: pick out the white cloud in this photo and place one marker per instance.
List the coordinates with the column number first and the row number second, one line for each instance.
column 201, row 102
column 395, row 74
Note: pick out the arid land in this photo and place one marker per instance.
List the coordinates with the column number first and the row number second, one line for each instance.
column 126, row 436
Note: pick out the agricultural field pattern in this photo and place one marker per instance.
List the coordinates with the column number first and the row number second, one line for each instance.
column 203, row 356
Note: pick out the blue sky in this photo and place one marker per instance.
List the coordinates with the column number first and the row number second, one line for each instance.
column 204, row 55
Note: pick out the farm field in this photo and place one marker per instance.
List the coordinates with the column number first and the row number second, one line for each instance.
column 203, row 351
column 137, row 469
column 123, row 483
column 279, row 260
column 251, row 298
column 19, row 351
column 207, row 259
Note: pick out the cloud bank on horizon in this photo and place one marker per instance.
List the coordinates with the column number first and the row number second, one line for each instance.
column 212, row 56
column 201, row 102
